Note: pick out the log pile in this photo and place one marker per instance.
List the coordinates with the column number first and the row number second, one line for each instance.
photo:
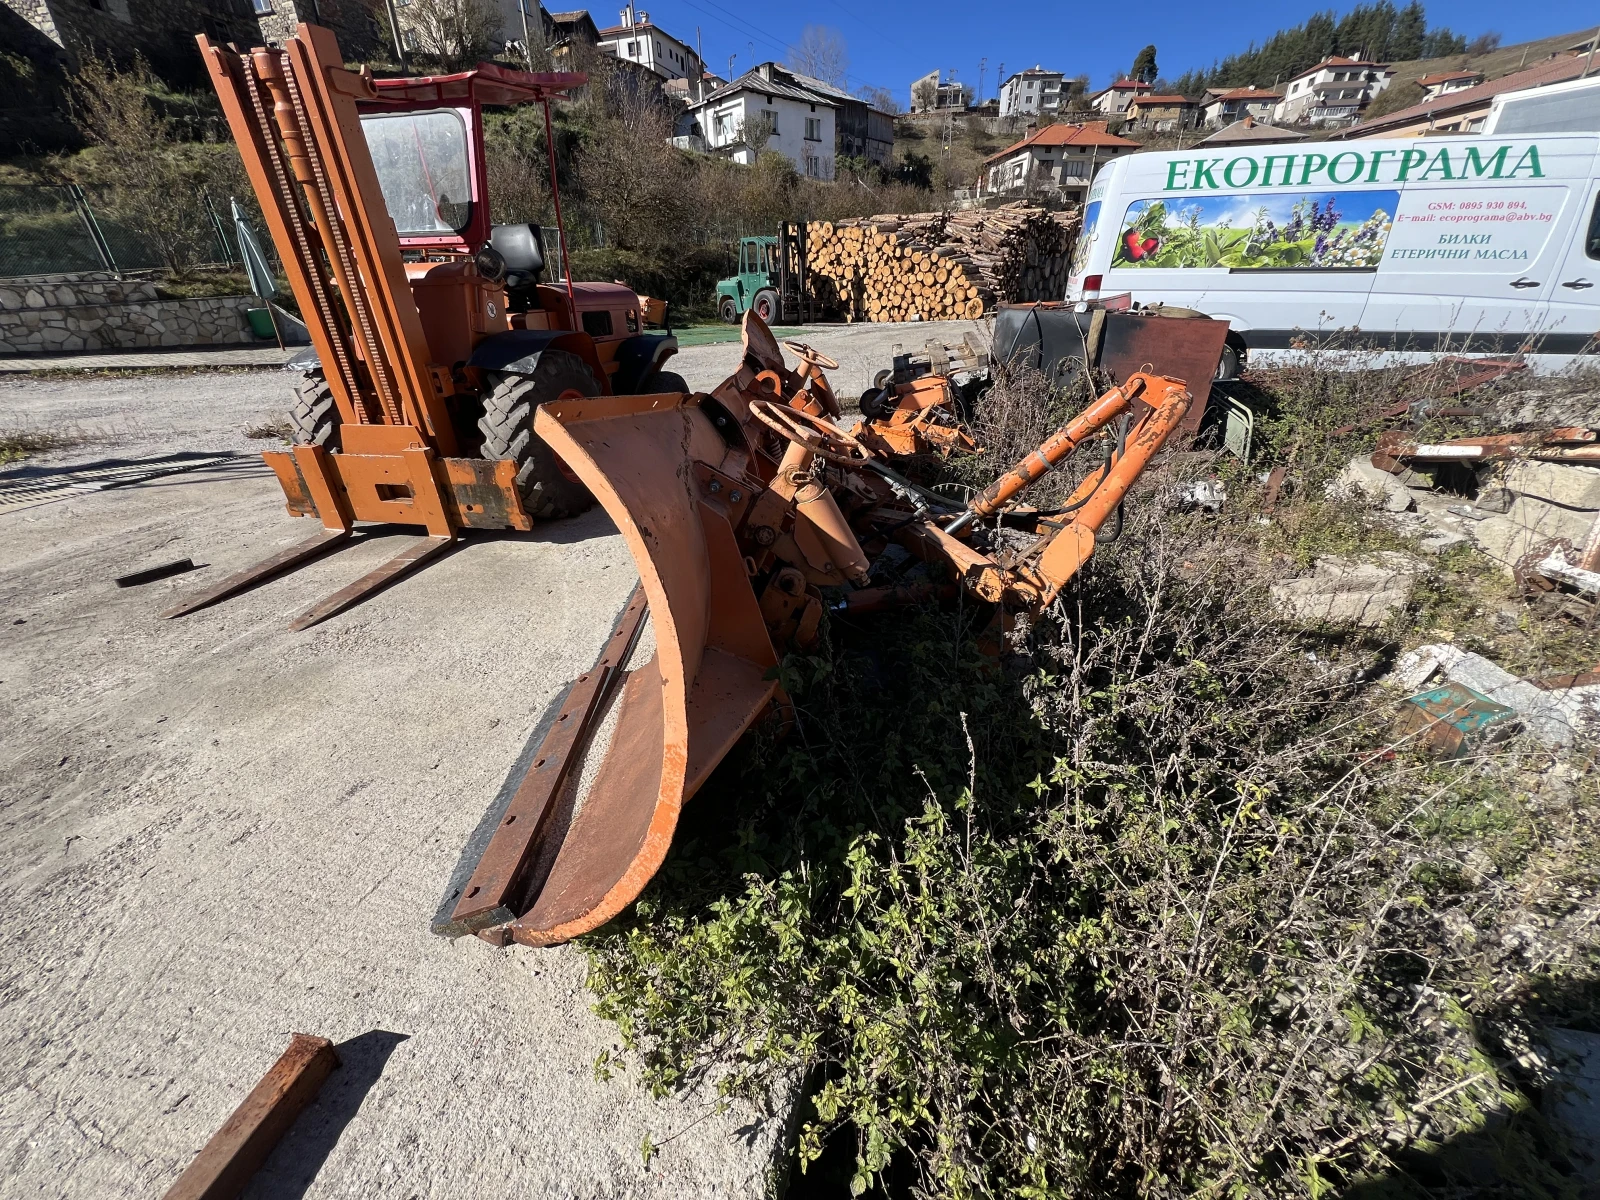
column 939, row 266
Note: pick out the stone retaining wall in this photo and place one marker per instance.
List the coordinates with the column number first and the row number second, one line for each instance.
column 61, row 314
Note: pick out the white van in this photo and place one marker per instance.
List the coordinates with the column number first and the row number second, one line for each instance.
column 1468, row 244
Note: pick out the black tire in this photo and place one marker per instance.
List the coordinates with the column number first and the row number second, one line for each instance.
column 314, row 416
column 765, row 305
column 728, row 310
column 663, row 382
column 547, row 490
column 1229, row 364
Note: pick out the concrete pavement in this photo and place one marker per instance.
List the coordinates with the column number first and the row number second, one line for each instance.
column 214, row 832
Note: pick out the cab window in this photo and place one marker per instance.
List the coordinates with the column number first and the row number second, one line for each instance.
column 1591, row 243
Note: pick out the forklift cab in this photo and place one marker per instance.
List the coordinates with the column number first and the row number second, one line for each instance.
column 476, row 283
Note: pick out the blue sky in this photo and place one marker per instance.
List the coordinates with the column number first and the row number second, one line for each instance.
column 892, row 42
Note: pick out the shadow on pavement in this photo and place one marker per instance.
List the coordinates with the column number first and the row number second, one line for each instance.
column 293, row 1167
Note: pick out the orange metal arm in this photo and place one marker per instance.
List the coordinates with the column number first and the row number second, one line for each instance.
column 1057, row 446
column 1072, row 546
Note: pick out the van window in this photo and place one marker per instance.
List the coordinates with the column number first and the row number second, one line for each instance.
column 1592, row 242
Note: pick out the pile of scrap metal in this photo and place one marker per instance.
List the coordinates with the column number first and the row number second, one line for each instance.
column 748, row 511
column 1536, row 502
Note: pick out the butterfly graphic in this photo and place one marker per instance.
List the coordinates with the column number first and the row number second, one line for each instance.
column 1139, row 248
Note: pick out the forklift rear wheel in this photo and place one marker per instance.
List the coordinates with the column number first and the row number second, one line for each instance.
column 549, row 490
column 766, row 306
column 314, row 417
column 728, row 310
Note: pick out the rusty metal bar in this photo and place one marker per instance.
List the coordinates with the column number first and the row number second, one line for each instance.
column 492, row 895
column 235, row 1152
column 373, row 581
column 293, row 556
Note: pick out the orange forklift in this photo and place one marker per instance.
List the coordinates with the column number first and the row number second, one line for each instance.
column 434, row 336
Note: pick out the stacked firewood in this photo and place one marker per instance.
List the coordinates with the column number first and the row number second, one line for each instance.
column 939, row 266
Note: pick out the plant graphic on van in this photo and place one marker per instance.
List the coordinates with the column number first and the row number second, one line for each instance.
column 1325, row 231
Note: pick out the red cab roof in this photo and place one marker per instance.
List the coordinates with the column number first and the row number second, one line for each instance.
column 487, row 83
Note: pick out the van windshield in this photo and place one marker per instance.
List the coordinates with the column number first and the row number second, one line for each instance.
column 422, row 164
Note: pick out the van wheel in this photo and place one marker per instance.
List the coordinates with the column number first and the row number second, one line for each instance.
column 547, row 486
column 1228, row 366
column 728, row 311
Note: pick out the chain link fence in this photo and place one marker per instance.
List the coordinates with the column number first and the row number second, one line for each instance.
column 59, row 229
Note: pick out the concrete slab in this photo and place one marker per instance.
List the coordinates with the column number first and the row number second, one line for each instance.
column 216, row 832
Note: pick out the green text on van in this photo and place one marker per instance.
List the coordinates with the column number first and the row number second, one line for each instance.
column 1350, row 166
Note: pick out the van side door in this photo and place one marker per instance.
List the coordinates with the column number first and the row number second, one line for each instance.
column 1479, row 236
column 1574, row 319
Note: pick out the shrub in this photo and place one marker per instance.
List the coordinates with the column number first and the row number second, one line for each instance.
column 1158, row 911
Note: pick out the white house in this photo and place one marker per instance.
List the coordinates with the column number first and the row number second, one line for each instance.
column 768, row 108
column 1058, row 158
column 1434, row 86
column 929, row 93
column 1031, row 92
column 1331, row 93
column 1114, row 100
column 1225, row 107
column 640, row 41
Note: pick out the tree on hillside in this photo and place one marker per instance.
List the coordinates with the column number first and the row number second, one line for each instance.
column 1379, row 32
column 881, row 99
column 1144, row 66
column 821, row 54
column 456, row 32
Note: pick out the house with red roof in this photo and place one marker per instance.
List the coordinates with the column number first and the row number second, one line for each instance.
column 1331, row 93
column 1060, row 159
column 1465, row 111
column 1114, row 100
column 1224, row 107
column 1162, row 114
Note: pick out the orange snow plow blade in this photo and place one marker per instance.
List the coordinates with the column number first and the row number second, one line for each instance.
column 681, row 712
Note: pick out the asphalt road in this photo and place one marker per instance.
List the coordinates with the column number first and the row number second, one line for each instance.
column 214, row 832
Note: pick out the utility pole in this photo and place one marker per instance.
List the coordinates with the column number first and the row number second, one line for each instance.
column 394, row 28
column 731, row 57
column 982, row 64
column 700, row 72
column 527, row 39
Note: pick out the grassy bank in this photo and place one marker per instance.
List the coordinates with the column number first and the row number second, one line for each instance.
column 1156, row 906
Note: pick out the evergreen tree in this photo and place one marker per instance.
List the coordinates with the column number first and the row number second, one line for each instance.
column 1378, row 31
column 1144, row 66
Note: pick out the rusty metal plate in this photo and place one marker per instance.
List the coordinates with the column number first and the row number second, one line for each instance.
column 295, row 492
column 482, row 493
column 1186, row 348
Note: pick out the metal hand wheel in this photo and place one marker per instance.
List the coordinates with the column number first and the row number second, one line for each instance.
column 822, row 438
column 811, row 357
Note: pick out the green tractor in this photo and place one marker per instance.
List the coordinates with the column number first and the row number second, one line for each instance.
column 756, row 284
column 772, row 279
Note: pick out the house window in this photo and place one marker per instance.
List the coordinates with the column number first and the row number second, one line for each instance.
column 263, row 8
column 773, row 118
column 813, row 129
column 720, row 127
column 633, row 49
column 658, row 49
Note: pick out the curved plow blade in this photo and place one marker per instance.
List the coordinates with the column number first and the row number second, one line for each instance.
column 682, row 711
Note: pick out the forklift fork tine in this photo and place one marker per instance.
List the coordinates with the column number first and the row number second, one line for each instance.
column 293, row 556
column 373, row 581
